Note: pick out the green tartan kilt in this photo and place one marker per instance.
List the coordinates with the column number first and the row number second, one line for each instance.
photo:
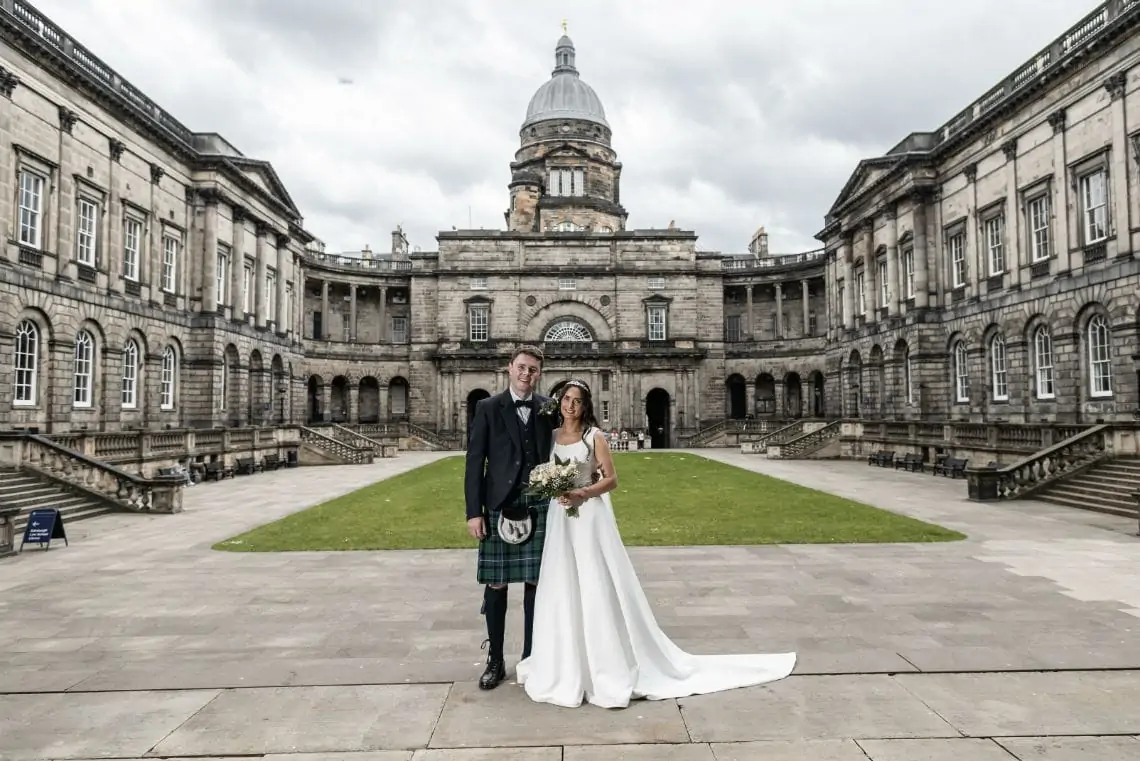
column 502, row 563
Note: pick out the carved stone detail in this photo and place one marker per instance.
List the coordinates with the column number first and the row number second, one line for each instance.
column 1115, row 84
column 156, row 173
column 67, row 119
column 1057, row 120
column 1009, row 149
column 8, row 82
column 117, row 149
column 971, row 171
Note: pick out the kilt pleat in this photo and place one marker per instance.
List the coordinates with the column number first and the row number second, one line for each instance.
column 502, row 563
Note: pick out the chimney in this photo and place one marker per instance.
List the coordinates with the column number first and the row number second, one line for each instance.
column 399, row 241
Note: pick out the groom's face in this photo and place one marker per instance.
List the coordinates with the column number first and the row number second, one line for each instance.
column 524, row 372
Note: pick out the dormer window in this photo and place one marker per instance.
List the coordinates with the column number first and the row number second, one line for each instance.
column 567, row 227
column 567, row 181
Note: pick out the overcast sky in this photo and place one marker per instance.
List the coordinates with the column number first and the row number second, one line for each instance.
column 727, row 114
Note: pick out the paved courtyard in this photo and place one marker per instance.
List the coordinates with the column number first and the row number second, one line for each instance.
column 138, row 640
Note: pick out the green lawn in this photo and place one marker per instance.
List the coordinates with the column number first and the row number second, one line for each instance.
column 662, row 498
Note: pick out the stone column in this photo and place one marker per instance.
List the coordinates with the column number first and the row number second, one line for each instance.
column 1060, row 201
column 352, row 312
column 237, row 265
column 60, row 202
column 921, row 263
column 324, row 336
column 281, row 316
column 261, row 302
column 779, row 311
column 383, row 314
column 210, row 255
column 748, row 314
column 976, row 265
column 848, row 298
column 1015, row 252
column 1121, row 212
column 870, row 274
column 8, row 84
column 806, row 290
column 894, row 286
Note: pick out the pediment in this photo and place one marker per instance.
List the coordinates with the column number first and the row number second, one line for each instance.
column 567, row 150
column 866, row 174
column 261, row 174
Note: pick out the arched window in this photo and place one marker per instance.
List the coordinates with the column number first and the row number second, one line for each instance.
column 999, row 382
column 84, row 369
column 169, row 374
column 1043, row 362
column 567, row 227
column 130, row 375
column 961, row 373
column 1100, row 357
column 26, row 363
column 566, row 331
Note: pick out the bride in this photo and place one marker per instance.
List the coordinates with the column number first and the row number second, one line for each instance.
column 595, row 636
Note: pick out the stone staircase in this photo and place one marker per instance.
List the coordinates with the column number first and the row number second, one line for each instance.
column 1106, row 487
column 29, row 491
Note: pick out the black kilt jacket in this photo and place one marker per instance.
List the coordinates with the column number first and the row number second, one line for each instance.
column 495, row 458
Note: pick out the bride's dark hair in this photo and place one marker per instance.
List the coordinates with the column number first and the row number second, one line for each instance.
column 588, row 418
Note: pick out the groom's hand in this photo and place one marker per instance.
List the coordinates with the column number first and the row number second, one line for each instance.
column 476, row 528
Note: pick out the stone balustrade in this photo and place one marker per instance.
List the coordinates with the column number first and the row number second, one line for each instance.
column 158, row 494
column 1042, row 468
column 8, row 530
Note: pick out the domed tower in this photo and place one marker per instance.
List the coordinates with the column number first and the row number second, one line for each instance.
column 565, row 176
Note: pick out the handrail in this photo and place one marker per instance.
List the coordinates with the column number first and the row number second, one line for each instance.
column 342, row 449
column 118, row 487
column 1042, row 468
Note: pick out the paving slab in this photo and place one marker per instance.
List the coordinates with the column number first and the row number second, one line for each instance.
column 93, row 725
column 310, row 720
column 657, row 752
column 812, row 707
column 789, row 750
column 1073, row 748
column 951, row 749
column 506, row 717
column 1032, row 704
column 550, row 753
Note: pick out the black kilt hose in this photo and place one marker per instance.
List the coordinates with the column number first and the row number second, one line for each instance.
column 502, row 563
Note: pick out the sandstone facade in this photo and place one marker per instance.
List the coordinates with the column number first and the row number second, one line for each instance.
column 155, row 278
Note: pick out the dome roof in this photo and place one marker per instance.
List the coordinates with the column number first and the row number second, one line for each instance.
column 565, row 95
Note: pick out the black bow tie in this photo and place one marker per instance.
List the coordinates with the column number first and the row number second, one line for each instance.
column 522, row 403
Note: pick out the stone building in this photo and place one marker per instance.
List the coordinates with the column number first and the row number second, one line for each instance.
column 147, row 272
column 155, row 278
column 989, row 270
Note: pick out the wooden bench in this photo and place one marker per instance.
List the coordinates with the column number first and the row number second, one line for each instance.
column 882, row 459
column 217, row 470
column 911, row 462
column 246, row 466
column 271, row 462
column 952, row 467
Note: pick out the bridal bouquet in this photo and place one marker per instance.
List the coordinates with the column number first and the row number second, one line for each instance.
column 553, row 479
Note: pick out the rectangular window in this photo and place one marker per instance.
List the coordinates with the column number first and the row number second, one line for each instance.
column 223, row 267
column 170, row 246
column 908, row 272
column 656, row 319
column 31, row 209
column 478, row 283
column 480, row 322
column 995, row 244
column 957, row 245
column 567, row 283
column 247, row 288
column 270, row 295
column 132, row 247
column 605, row 410
column 732, row 328
column 884, row 284
column 861, row 292
column 656, row 283
column 87, row 215
column 1094, row 207
column 399, row 330
column 1038, row 212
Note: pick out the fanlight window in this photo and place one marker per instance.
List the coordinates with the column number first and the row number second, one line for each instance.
column 568, row 330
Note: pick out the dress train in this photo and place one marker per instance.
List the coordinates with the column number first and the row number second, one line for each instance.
column 595, row 636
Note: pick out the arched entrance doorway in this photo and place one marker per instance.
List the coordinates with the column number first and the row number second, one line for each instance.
column 816, row 381
column 315, row 387
column 793, row 396
column 657, row 414
column 474, row 398
column 737, row 397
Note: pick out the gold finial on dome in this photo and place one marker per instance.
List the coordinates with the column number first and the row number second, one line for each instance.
column 564, row 26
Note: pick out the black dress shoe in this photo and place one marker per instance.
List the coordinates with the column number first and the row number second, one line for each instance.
column 495, row 673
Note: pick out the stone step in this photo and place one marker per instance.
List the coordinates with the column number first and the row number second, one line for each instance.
column 1109, row 478
column 1094, row 493
column 29, row 491
column 1084, row 504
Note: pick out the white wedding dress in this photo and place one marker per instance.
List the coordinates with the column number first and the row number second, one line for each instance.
column 595, row 636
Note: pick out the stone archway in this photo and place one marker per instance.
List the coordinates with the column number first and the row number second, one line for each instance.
column 474, row 398
column 815, row 380
column 316, row 386
column 793, row 396
column 737, row 393
column 657, row 408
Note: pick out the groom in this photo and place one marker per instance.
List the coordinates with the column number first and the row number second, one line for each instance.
column 507, row 439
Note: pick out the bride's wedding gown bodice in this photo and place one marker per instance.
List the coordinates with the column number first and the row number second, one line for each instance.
column 595, row 635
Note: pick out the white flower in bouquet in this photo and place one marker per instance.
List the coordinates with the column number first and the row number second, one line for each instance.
column 553, row 479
